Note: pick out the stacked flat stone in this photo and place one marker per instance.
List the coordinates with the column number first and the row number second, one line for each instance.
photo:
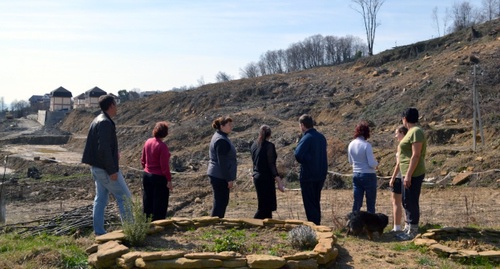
column 432, row 237
column 108, row 251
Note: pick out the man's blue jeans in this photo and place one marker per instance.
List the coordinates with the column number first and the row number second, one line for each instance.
column 364, row 183
column 103, row 187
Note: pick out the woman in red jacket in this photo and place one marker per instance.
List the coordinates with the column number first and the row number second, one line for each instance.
column 156, row 180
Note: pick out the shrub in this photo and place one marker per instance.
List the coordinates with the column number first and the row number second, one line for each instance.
column 136, row 228
column 302, row 237
column 233, row 240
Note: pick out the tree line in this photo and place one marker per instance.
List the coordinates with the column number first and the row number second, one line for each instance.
column 464, row 15
column 321, row 50
column 312, row 52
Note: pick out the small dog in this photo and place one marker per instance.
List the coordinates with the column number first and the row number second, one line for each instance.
column 362, row 221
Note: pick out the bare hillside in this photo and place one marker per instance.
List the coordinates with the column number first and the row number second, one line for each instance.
column 436, row 76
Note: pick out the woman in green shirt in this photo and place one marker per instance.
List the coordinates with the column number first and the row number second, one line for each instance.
column 412, row 150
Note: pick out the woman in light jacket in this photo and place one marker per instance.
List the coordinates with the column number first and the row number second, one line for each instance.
column 363, row 163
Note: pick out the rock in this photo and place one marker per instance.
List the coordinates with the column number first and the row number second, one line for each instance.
column 302, row 256
column 442, row 249
column 107, row 254
column 302, row 264
column 112, row 236
column 178, row 263
column 165, row 255
column 265, row 261
column 328, row 257
column 235, row 263
column 461, row 178
column 491, row 254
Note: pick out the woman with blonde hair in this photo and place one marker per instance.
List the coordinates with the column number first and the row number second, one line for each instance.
column 396, row 184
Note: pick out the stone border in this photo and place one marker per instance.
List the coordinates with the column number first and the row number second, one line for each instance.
column 108, row 251
column 432, row 236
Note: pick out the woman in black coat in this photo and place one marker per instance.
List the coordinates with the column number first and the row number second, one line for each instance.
column 265, row 174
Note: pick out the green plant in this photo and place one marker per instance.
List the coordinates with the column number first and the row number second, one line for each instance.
column 404, row 247
column 483, row 262
column 19, row 251
column 283, row 235
column 275, row 250
column 136, row 228
column 425, row 261
column 232, row 241
column 302, row 237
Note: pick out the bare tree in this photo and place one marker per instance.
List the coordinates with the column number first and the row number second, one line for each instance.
column 313, row 48
column 464, row 16
column 330, row 49
column 369, row 9
column 294, row 57
column 222, row 77
column 491, row 9
column 272, row 62
column 251, row 70
column 20, row 108
column 435, row 20
column 446, row 18
column 201, row 81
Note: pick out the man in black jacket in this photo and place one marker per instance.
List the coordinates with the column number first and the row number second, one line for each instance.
column 101, row 153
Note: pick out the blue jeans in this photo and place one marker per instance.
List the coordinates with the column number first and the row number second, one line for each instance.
column 103, row 186
column 364, row 183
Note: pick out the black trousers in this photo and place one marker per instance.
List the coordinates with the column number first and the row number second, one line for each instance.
column 311, row 196
column 221, row 196
column 266, row 196
column 155, row 196
column 411, row 200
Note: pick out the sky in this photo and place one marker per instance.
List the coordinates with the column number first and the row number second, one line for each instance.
column 155, row 45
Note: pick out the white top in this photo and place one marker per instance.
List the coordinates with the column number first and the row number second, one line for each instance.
column 361, row 157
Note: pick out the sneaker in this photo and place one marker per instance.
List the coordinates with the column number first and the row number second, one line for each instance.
column 409, row 235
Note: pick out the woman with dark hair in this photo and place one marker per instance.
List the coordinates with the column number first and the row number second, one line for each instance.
column 412, row 150
column 222, row 165
column 265, row 174
column 363, row 162
column 396, row 184
column 156, row 179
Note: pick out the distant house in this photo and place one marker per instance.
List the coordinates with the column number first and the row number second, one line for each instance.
column 133, row 95
column 39, row 102
column 117, row 98
column 60, row 99
column 79, row 101
column 92, row 97
column 148, row 93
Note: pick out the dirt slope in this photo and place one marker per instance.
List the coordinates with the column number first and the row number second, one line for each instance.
column 435, row 76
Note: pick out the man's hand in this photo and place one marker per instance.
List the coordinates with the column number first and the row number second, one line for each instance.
column 114, row 176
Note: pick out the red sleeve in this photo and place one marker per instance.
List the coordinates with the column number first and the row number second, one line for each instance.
column 165, row 162
column 143, row 156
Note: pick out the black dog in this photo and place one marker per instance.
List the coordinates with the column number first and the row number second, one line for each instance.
column 362, row 221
